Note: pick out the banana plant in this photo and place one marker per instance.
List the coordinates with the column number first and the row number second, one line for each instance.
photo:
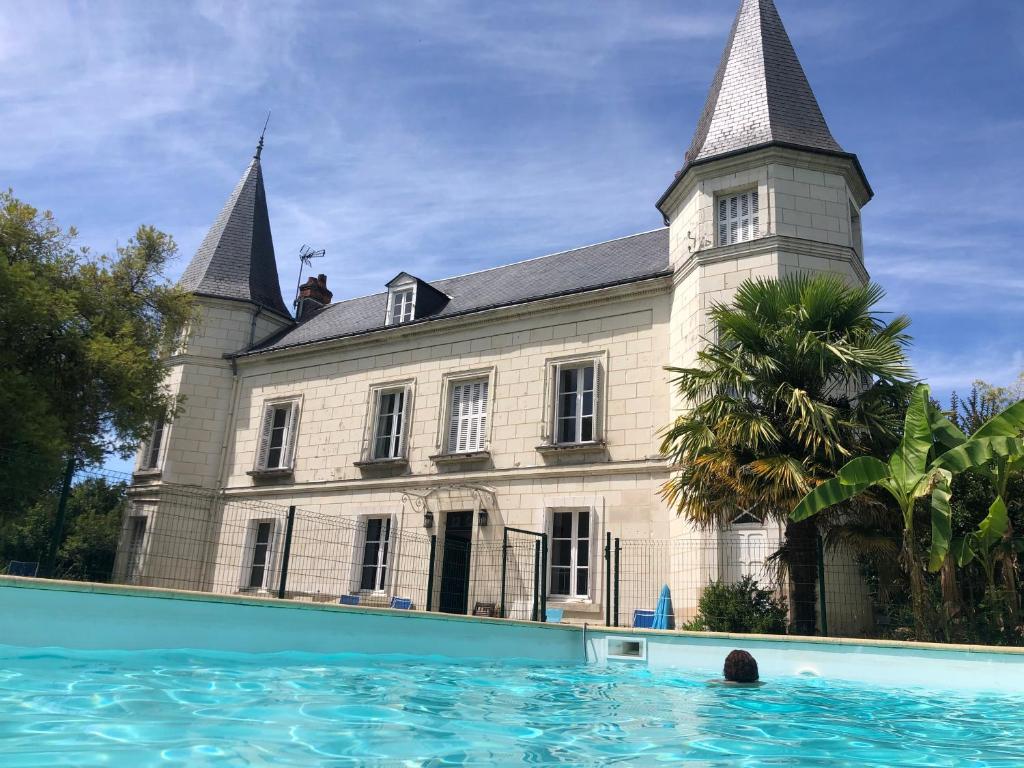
column 920, row 467
column 984, row 544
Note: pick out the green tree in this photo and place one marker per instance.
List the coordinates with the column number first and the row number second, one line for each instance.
column 94, row 516
column 81, row 341
column 803, row 376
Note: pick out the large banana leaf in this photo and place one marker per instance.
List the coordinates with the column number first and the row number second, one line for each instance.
column 946, row 433
column 942, row 520
column 856, row 477
column 994, row 526
column 979, row 451
column 1009, row 423
column 960, row 550
column 910, row 461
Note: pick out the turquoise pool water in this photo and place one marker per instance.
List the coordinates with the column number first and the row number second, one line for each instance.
column 198, row 708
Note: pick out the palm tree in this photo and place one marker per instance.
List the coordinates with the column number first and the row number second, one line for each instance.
column 802, row 376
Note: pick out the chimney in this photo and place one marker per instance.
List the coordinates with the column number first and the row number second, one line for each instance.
column 313, row 295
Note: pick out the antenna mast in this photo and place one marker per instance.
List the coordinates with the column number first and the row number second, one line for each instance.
column 306, row 256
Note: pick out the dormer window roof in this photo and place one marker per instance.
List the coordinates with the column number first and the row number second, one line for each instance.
column 410, row 298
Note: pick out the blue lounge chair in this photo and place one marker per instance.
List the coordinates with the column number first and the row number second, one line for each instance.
column 349, row 600
column 643, row 619
column 401, row 603
column 22, row 568
column 554, row 615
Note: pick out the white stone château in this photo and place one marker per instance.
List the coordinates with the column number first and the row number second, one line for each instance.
column 528, row 396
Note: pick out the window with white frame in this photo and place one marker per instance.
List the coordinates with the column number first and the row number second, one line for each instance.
column 135, row 549
column 373, row 575
column 402, row 305
column 389, row 423
column 260, row 552
column 277, row 436
column 738, row 218
column 467, row 420
column 151, row 450
column 577, row 388
column 570, row 554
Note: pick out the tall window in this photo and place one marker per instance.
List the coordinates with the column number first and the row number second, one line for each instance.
column 402, row 306
column 151, row 457
column 576, row 397
column 277, row 437
column 375, row 553
column 136, row 540
column 738, row 218
column 467, row 426
column 261, row 545
column 570, row 554
column 388, row 426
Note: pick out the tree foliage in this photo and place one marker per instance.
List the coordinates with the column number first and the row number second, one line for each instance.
column 803, row 375
column 94, row 515
column 740, row 607
column 81, row 339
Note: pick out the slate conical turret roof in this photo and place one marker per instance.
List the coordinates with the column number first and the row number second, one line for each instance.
column 236, row 258
column 759, row 95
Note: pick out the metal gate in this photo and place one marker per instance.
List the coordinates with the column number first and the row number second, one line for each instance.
column 524, row 571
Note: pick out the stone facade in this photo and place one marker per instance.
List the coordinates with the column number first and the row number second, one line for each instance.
column 808, row 207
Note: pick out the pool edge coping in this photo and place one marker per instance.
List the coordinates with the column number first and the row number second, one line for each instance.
column 123, row 590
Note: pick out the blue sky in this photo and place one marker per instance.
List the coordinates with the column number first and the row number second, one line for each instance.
column 442, row 137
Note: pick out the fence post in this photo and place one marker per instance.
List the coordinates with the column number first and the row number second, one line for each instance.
column 430, row 572
column 504, row 570
column 536, row 579
column 608, row 578
column 544, row 577
column 58, row 524
column 287, row 552
column 822, row 609
column 618, row 549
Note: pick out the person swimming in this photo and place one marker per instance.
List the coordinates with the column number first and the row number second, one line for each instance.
column 740, row 669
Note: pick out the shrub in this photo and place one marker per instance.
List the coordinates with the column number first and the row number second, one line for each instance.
column 739, row 607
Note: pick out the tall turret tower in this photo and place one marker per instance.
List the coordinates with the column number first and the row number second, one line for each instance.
column 234, row 278
column 765, row 189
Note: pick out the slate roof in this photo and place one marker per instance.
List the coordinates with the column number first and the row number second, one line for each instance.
column 628, row 259
column 759, row 95
column 236, row 259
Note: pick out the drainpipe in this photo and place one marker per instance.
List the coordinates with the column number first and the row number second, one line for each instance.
column 252, row 327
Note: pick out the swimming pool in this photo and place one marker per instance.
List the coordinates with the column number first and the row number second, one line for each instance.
column 137, row 708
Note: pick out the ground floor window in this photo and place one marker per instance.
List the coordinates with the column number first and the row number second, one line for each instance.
column 375, row 553
column 570, row 554
column 136, row 540
column 259, row 564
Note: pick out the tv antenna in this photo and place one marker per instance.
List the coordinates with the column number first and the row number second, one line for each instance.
column 306, row 256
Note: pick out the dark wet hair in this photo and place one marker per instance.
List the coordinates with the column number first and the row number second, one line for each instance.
column 740, row 667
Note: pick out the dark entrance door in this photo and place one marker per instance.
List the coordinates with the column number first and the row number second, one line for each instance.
column 458, row 533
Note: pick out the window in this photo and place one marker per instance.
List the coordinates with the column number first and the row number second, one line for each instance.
column 467, row 424
column 570, row 554
column 389, row 424
column 151, row 451
column 402, row 306
column 856, row 238
column 738, row 218
column 259, row 565
column 277, row 437
column 375, row 554
column 136, row 541
column 575, row 404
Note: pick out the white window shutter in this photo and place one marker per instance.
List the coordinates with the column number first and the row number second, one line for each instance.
column 481, row 417
column 755, row 218
column 268, row 422
column 552, row 437
column 598, row 401
column 293, row 433
column 454, row 418
column 723, row 221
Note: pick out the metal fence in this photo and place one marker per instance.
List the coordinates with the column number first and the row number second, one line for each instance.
column 732, row 580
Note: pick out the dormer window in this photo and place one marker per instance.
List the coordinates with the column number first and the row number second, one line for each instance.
column 410, row 298
column 403, row 306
